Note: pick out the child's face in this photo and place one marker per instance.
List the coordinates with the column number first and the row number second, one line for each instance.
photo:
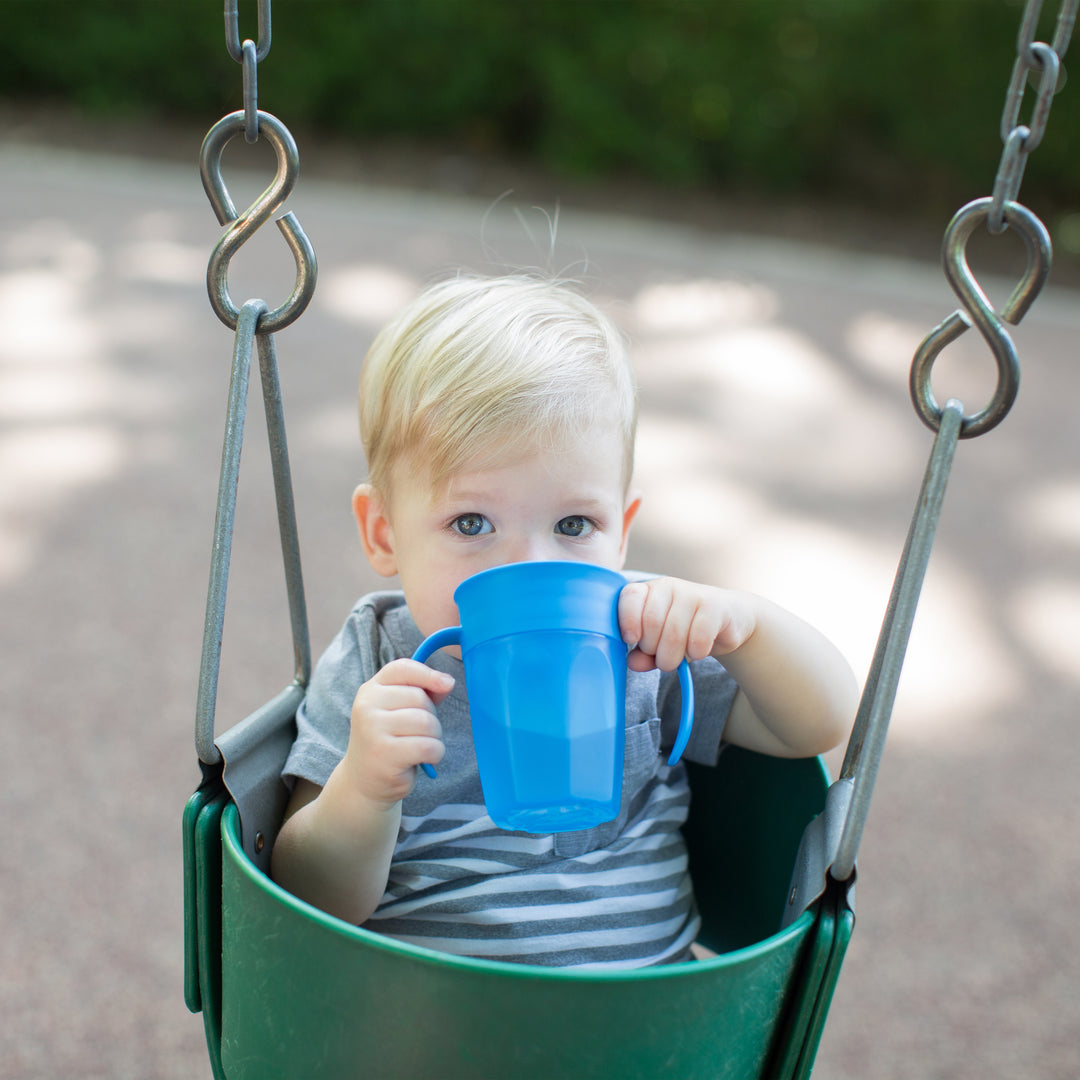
column 546, row 504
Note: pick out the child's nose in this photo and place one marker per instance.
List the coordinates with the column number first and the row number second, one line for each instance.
column 534, row 549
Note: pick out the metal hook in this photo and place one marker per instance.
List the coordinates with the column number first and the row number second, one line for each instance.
column 979, row 312
column 243, row 226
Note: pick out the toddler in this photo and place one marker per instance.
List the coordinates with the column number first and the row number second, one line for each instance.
column 497, row 416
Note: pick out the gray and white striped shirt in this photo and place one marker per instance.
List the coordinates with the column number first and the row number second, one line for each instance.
column 618, row 895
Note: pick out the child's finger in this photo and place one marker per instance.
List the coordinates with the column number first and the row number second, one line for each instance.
column 636, row 660
column 407, row 722
column 673, row 644
column 400, row 699
column 644, row 609
column 631, row 605
column 651, row 603
column 704, row 626
column 655, row 617
column 410, row 751
column 722, row 624
column 405, row 672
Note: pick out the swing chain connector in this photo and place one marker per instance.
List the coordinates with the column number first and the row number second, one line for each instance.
column 978, row 311
column 243, row 226
column 998, row 212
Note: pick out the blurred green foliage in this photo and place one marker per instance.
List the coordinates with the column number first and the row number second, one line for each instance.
column 875, row 99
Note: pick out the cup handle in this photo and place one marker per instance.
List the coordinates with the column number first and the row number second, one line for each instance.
column 439, row 640
column 686, row 717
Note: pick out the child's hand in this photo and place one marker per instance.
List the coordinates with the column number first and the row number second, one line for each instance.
column 666, row 619
column 394, row 729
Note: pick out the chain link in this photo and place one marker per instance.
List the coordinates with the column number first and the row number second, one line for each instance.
column 248, row 54
column 1021, row 139
column 1032, row 57
column 232, row 31
column 1063, row 30
column 251, row 92
column 998, row 212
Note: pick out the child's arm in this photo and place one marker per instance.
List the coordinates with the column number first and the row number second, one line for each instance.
column 335, row 847
column 797, row 693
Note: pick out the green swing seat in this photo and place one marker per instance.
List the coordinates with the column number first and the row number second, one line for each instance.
column 288, row 991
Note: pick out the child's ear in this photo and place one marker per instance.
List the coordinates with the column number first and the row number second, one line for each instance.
column 633, row 505
column 376, row 534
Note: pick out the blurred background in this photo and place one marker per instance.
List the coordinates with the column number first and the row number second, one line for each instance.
column 756, row 190
column 776, row 106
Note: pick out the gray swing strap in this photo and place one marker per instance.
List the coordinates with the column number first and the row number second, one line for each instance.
column 830, row 843
column 247, row 752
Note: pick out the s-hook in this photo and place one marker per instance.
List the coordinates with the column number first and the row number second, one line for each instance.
column 243, row 226
column 978, row 311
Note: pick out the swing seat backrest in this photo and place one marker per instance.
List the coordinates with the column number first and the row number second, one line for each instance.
column 288, row 991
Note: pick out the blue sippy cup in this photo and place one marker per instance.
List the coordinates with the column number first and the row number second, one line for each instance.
column 545, row 671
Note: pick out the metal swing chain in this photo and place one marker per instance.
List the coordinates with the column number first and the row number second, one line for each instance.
column 254, row 326
column 250, row 55
column 255, row 124
column 997, row 212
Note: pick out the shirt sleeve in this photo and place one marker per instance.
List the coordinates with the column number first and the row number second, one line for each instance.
column 323, row 718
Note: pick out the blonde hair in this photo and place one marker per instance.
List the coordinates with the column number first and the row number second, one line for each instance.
column 475, row 365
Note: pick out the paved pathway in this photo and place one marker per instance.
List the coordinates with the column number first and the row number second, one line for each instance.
column 778, row 451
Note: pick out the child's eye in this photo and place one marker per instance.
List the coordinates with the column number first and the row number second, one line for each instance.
column 471, row 525
column 574, row 525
